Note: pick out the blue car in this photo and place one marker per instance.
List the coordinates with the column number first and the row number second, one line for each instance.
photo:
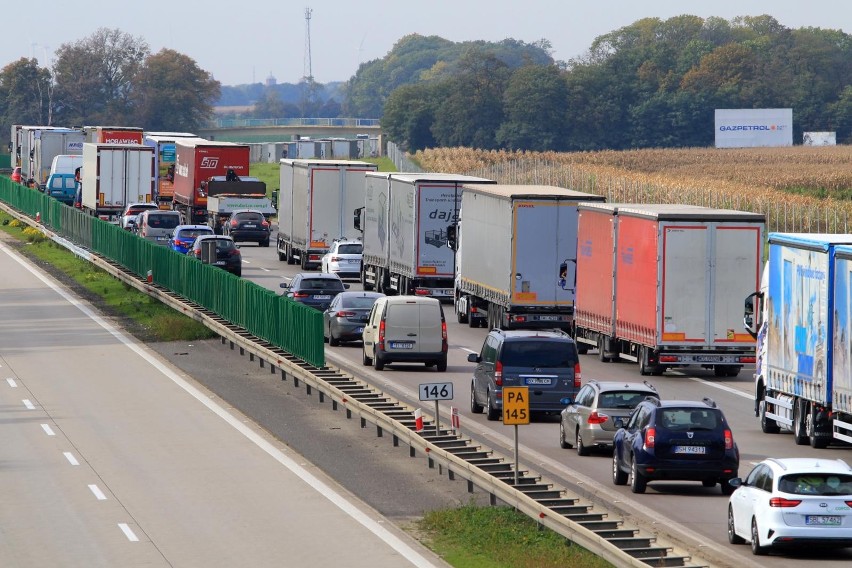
column 184, row 236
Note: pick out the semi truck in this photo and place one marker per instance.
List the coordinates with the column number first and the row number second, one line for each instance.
column 47, row 144
column 404, row 220
column 113, row 134
column 315, row 205
column 516, row 255
column 204, row 168
column 114, row 175
column 221, row 205
column 661, row 285
column 801, row 318
column 164, row 162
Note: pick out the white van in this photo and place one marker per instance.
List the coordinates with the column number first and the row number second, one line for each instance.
column 157, row 225
column 66, row 164
column 406, row 329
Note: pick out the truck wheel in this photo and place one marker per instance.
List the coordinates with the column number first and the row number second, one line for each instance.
column 767, row 425
column 601, row 351
column 799, row 411
column 303, row 260
column 643, row 361
column 364, row 284
column 810, row 428
column 720, row 371
column 281, row 255
column 290, row 258
column 734, row 370
column 461, row 315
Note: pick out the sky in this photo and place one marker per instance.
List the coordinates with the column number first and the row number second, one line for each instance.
column 247, row 42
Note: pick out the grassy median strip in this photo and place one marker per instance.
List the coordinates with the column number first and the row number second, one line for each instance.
column 148, row 318
column 499, row 537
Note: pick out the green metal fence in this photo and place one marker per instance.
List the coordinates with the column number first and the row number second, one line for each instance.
column 288, row 325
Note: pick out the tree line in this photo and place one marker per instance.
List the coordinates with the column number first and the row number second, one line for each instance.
column 108, row 78
column 654, row 83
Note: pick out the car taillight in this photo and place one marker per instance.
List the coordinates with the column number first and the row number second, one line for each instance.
column 650, row 435
column 782, row 502
column 234, row 223
column 234, row 252
column 345, row 314
column 578, row 377
column 179, row 243
column 336, row 259
column 300, row 294
column 421, row 291
column 729, row 440
column 849, row 503
column 265, row 223
column 444, row 346
column 498, row 374
column 381, row 341
column 597, row 418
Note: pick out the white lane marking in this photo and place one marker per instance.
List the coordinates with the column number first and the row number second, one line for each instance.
column 70, row 457
column 99, row 495
column 246, row 262
column 319, row 486
column 12, row 383
column 468, row 350
column 28, row 404
column 128, row 533
column 265, row 269
column 48, row 430
column 722, row 387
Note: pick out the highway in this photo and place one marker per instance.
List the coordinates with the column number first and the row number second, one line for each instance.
column 683, row 511
column 111, row 456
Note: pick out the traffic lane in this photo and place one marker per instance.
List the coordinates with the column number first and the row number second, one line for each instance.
column 193, row 481
column 686, row 504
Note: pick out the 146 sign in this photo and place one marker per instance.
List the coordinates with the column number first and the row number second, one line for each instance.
column 436, row 391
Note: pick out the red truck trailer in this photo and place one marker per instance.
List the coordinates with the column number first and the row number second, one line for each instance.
column 113, row 134
column 197, row 162
column 659, row 285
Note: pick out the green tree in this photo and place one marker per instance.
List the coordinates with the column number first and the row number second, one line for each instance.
column 534, row 108
column 25, row 91
column 172, row 93
column 409, row 113
column 94, row 77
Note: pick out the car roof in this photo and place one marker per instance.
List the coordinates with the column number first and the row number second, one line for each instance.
column 192, row 227
column 206, row 237
column 143, row 204
column 521, row 334
column 605, row 386
column 348, row 242
column 235, row 211
column 318, row 275
column 809, row 465
column 360, row 294
column 684, row 404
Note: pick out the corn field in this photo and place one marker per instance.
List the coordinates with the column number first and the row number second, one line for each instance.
column 798, row 189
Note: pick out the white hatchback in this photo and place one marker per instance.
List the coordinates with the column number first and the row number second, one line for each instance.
column 343, row 259
column 792, row 503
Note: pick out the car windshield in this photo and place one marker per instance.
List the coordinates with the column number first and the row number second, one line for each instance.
column 193, row 233
column 690, row 418
column 350, row 249
column 358, row 303
column 221, row 244
column 321, row 284
column 816, row 484
column 249, row 217
column 550, row 354
column 163, row 221
column 622, row 399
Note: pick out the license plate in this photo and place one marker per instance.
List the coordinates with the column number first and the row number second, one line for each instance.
column 162, row 238
column 353, row 261
column 548, row 318
column 219, row 263
column 689, row 450
column 537, row 381
column 322, row 297
column 249, row 225
column 709, row 358
column 823, row 520
column 401, row 345
column 359, row 330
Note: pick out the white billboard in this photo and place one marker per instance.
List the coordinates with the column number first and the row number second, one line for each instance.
column 754, row 127
column 819, row 138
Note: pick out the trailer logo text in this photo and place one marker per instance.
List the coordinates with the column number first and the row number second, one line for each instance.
column 209, row 162
column 810, row 273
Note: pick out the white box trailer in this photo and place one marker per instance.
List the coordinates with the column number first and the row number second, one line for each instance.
column 405, row 221
column 315, row 204
column 114, row 175
column 516, row 256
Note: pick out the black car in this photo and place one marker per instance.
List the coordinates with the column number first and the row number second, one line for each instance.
column 228, row 255
column 345, row 318
column 675, row 440
column 314, row 290
column 248, row 225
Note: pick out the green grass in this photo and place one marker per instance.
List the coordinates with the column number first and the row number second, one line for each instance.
column 268, row 173
column 154, row 321
column 499, row 537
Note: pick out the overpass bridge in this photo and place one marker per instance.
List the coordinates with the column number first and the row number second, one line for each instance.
column 286, row 129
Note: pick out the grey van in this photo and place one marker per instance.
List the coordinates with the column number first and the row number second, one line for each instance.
column 157, row 225
column 544, row 361
column 405, row 329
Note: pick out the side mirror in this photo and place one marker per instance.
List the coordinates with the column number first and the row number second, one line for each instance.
column 283, row 285
column 736, row 482
column 751, row 317
column 451, row 237
column 565, row 401
column 473, row 358
column 356, row 220
column 619, row 423
column 346, row 286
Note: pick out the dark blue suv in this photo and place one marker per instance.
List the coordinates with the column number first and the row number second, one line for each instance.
column 675, row 440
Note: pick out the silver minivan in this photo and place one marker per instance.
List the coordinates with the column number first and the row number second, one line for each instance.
column 404, row 329
column 157, row 225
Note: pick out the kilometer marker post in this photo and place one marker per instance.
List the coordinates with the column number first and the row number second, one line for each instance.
column 516, row 411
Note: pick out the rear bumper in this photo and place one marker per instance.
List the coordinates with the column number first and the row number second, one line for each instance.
column 698, row 470
column 248, row 235
column 403, row 357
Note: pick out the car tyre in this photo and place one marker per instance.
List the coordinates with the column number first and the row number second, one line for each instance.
column 492, row 413
column 727, row 488
column 637, row 482
column 582, row 450
column 619, row 477
column 563, row 441
column 733, row 537
column 264, row 243
column 366, row 361
column 475, row 407
column 708, row 483
column 378, row 362
column 332, row 341
column 756, row 549
column 442, row 365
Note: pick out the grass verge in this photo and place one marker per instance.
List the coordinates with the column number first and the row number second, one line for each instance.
column 143, row 316
column 499, row 537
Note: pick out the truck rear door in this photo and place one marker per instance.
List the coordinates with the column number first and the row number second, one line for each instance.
column 737, row 259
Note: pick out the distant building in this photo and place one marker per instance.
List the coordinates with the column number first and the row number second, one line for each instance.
column 271, row 80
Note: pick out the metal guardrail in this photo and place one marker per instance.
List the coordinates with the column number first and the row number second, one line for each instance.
column 482, row 467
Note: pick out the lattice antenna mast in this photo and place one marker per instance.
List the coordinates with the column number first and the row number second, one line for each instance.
column 309, row 74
